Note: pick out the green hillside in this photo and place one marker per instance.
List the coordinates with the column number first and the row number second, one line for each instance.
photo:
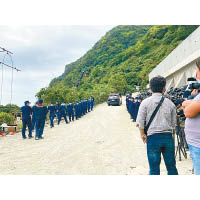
column 118, row 62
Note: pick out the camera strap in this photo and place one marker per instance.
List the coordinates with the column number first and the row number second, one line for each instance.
column 154, row 114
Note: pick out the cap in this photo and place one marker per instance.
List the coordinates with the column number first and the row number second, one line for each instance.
column 26, row 102
column 40, row 101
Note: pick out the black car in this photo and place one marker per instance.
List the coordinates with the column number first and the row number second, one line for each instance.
column 114, row 99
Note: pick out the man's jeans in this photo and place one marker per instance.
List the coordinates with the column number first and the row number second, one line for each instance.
column 195, row 154
column 157, row 144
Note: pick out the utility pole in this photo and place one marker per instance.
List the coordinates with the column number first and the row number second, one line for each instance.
column 8, row 52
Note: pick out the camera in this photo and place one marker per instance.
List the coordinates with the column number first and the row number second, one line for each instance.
column 194, row 84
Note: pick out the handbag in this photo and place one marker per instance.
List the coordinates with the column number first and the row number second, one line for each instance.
column 146, row 127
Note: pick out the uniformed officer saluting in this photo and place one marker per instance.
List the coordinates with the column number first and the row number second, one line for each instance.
column 40, row 115
column 26, row 119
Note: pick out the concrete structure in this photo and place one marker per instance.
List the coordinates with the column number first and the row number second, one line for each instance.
column 180, row 63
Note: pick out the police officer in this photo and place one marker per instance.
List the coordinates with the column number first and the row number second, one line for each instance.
column 26, row 119
column 52, row 112
column 132, row 109
column 89, row 105
column 70, row 111
column 80, row 109
column 33, row 116
column 76, row 110
column 137, row 105
column 85, row 106
column 92, row 103
column 40, row 115
column 58, row 110
column 62, row 113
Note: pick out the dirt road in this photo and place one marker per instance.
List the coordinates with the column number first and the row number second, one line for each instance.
column 104, row 141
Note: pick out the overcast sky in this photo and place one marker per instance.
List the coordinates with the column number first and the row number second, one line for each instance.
column 41, row 52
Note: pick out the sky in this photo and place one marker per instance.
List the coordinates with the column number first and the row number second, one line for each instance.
column 41, row 53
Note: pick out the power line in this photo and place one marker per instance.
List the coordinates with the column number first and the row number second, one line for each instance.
column 12, row 67
column 3, row 50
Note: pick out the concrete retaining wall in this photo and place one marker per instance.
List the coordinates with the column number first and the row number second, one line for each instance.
column 180, row 63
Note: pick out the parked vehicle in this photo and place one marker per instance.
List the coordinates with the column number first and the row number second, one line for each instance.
column 114, row 99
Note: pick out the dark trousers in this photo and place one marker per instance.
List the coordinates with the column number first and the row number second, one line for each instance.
column 39, row 127
column 51, row 118
column 157, row 144
column 60, row 117
column 25, row 123
column 71, row 116
column 33, row 123
column 57, row 114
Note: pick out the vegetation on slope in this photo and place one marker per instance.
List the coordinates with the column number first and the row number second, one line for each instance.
column 118, row 62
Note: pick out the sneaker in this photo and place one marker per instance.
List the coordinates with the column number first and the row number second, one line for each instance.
column 36, row 138
column 41, row 138
column 24, row 138
column 30, row 137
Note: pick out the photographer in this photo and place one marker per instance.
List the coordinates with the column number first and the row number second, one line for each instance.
column 192, row 131
column 196, row 91
column 159, row 135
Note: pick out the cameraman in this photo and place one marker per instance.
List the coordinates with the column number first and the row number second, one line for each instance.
column 192, row 131
column 195, row 92
column 159, row 135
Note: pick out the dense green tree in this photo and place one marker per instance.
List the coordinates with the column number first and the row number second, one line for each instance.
column 118, row 62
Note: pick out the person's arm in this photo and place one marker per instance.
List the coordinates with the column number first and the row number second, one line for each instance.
column 192, row 109
column 174, row 116
column 186, row 103
column 141, row 118
column 143, row 136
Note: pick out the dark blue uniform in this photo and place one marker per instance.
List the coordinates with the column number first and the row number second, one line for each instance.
column 137, row 105
column 62, row 113
column 26, row 120
column 58, row 111
column 92, row 103
column 40, row 115
column 88, row 105
column 76, row 108
column 70, row 111
column 33, row 117
column 85, row 107
column 52, row 112
column 132, row 110
column 81, row 108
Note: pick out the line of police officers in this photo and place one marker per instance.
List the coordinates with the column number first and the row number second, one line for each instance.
column 132, row 105
column 35, row 117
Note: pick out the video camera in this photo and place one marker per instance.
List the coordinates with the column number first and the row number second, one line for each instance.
column 194, row 84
